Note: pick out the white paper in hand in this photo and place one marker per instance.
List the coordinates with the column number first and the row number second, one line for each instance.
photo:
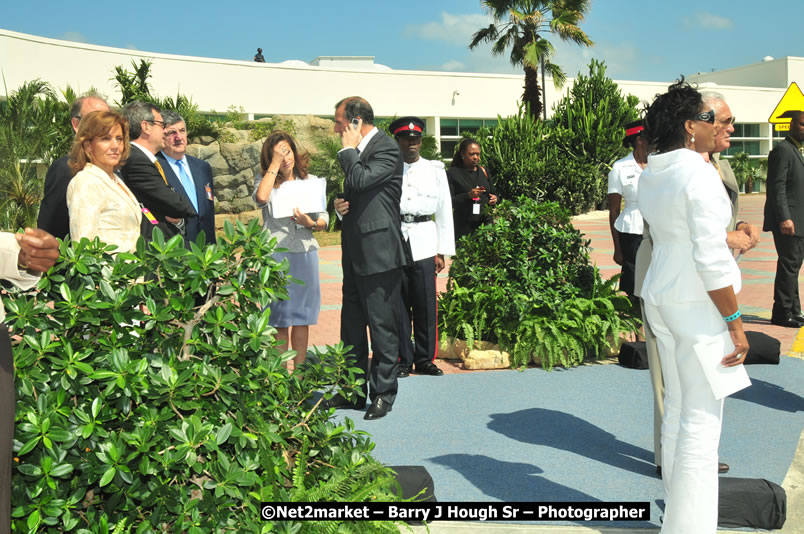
column 724, row 381
column 308, row 195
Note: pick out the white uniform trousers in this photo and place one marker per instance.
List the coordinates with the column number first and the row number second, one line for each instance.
column 692, row 417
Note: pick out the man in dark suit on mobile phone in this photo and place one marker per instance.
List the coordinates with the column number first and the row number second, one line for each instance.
column 372, row 250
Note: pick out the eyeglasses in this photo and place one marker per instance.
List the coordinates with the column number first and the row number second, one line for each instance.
column 160, row 123
column 706, row 116
column 727, row 122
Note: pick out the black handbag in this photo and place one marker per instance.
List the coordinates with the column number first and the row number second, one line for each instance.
column 762, row 348
column 634, row 355
column 751, row 502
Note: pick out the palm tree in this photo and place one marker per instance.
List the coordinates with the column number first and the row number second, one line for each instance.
column 31, row 137
column 518, row 24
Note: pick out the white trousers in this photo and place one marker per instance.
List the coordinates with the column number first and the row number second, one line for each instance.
column 692, row 417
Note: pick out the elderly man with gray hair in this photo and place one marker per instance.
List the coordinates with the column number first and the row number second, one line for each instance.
column 189, row 176
column 740, row 237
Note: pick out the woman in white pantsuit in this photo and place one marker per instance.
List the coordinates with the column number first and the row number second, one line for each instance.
column 689, row 292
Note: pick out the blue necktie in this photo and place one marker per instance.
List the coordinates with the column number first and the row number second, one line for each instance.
column 188, row 184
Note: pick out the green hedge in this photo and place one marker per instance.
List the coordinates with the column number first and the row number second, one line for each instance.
column 181, row 419
column 526, row 282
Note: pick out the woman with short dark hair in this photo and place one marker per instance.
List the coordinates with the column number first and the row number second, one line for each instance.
column 471, row 188
column 689, row 294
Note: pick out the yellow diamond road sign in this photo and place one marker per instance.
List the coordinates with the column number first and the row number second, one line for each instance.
column 793, row 100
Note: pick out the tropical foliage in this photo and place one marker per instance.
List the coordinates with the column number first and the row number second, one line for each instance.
column 566, row 159
column 520, row 25
column 134, row 85
column 151, row 396
column 748, row 170
column 526, row 282
column 34, row 130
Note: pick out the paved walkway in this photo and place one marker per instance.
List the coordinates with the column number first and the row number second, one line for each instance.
column 758, row 269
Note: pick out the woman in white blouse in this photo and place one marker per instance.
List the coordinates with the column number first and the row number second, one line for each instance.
column 626, row 225
column 689, row 294
column 99, row 203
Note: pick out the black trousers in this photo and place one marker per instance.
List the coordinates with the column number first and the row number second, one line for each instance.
column 419, row 306
column 373, row 301
column 629, row 244
column 790, row 249
column 6, row 427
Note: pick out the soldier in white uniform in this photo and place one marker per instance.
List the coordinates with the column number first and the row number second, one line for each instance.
column 426, row 215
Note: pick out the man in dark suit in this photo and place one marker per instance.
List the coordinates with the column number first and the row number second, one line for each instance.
column 785, row 218
column 144, row 174
column 189, row 176
column 54, row 217
column 372, row 249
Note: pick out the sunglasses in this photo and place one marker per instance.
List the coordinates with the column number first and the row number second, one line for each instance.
column 705, row 116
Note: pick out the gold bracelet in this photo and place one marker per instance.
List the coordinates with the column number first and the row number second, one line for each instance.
column 272, row 172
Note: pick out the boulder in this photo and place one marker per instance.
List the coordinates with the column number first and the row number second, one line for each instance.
column 218, row 164
column 236, row 156
column 242, row 191
column 233, row 135
column 225, row 181
column 240, row 205
column 487, row 359
column 202, row 151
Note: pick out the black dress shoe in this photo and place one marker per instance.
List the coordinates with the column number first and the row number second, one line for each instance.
column 429, row 368
column 339, row 401
column 798, row 317
column 403, row 371
column 379, row 408
column 788, row 322
column 722, row 468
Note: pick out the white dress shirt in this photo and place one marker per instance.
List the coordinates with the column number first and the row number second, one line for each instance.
column 624, row 180
column 425, row 191
column 9, row 256
column 683, row 199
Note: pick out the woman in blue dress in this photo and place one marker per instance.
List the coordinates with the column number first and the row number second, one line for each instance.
column 281, row 163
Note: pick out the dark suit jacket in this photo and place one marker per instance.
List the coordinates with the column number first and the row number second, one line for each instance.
column 53, row 214
column 785, row 188
column 202, row 178
column 371, row 237
column 144, row 180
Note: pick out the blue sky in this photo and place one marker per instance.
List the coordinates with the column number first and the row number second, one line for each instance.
column 639, row 40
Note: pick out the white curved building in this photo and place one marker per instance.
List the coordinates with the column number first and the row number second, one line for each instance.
column 450, row 102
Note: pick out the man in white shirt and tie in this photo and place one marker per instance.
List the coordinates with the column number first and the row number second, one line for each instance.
column 189, row 176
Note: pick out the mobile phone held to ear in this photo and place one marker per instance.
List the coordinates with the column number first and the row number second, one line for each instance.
column 355, row 123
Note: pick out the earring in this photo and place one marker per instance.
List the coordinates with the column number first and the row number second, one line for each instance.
column 692, row 139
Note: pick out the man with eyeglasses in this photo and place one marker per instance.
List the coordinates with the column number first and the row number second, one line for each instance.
column 740, row 237
column 54, row 217
column 145, row 176
column 189, row 176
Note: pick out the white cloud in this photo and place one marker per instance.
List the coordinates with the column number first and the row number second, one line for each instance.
column 453, row 29
column 75, row 36
column 707, row 21
column 453, row 65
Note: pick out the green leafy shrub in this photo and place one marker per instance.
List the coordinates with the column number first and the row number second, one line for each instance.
column 526, row 283
column 181, row 418
column 566, row 159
